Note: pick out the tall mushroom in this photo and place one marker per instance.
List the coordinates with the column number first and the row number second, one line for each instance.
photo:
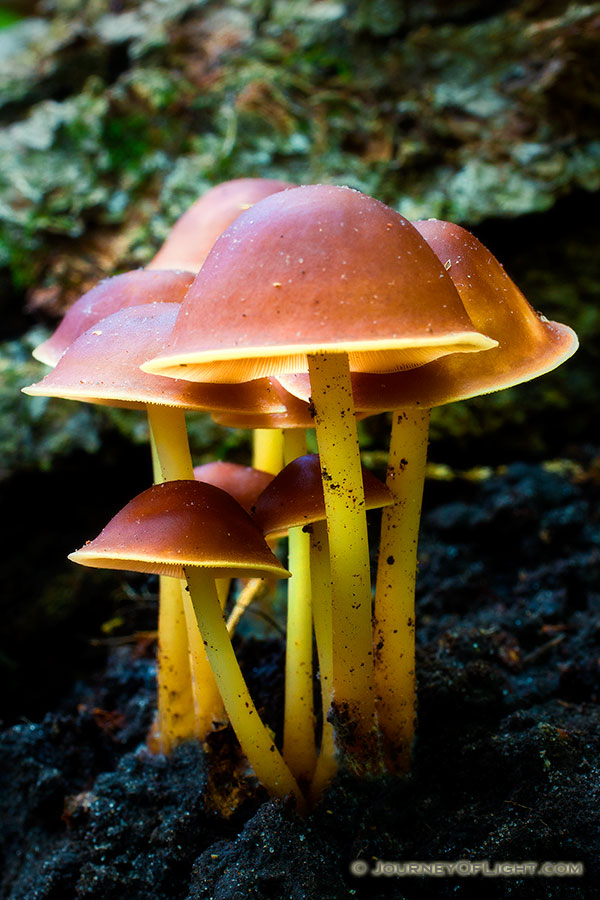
column 528, row 345
column 326, row 280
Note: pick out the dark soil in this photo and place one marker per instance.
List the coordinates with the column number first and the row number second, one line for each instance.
column 506, row 762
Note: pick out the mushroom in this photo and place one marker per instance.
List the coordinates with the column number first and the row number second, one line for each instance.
column 326, row 280
column 194, row 233
column 294, row 504
column 192, row 530
column 110, row 295
column 528, row 345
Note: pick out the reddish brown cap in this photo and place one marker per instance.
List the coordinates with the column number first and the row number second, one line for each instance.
column 178, row 524
column 244, row 483
column 102, row 366
column 528, row 344
column 295, row 496
column 193, row 235
column 110, row 295
column 316, row 269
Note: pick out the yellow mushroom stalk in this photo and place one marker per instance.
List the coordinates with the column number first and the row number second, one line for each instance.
column 394, row 633
column 299, row 748
column 257, row 743
column 320, row 574
column 267, row 449
column 352, row 645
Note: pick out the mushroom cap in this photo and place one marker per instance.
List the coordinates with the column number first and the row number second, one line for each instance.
column 102, row 366
column 295, row 413
column 528, row 344
column 244, row 483
column 194, row 233
column 182, row 523
column 110, row 295
column 316, row 269
column 295, row 496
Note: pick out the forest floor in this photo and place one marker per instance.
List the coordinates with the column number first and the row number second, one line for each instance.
column 505, row 763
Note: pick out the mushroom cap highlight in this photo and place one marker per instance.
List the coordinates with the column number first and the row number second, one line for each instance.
column 528, row 344
column 194, row 233
column 102, row 366
column 295, row 496
column 182, row 523
column 316, row 269
column 110, row 295
column 244, row 483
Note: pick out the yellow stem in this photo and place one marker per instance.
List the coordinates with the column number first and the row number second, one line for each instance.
column 299, row 720
column 208, row 704
column 251, row 590
column 394, row 638
column 176, row 720
column 170, row 440
column 176, row 713
column 352, row 632
column 294, row 444
column 320, row 576
column 267, row 450
column 255, row 740
column 223, row 585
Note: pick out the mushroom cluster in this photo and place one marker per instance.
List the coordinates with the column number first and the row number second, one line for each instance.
column 299, row 307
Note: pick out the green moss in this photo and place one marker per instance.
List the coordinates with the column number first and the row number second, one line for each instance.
column 466, row 114
column 8, row 17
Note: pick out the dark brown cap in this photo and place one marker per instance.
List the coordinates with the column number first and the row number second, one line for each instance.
column 295, row 496
column 182, row 523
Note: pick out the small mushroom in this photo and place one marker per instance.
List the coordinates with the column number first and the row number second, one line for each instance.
column 191, row 530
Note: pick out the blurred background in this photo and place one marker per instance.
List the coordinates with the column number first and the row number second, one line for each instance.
column 115, row 116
